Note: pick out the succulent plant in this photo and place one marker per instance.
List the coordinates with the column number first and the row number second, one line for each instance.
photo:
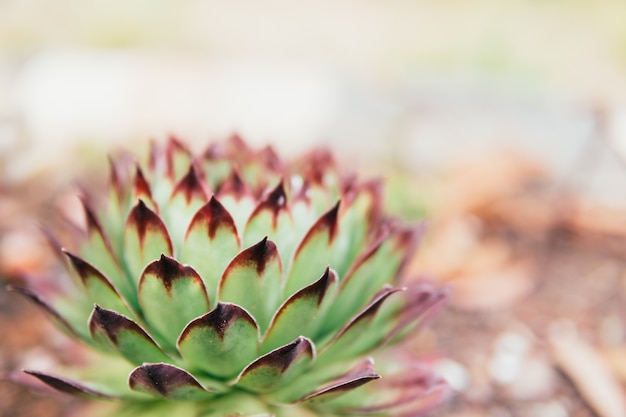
column 233, row 284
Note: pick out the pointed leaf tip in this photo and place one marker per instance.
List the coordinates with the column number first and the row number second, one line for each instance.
column 281, row 358
column 257, row 256
column 146, row 221
column 190, row 187
column 169, row 269
column 234, row 186
column 141, row 186
column 361, row 374
column 274, row 202
column 165, row 380
column 228, row 335
column 86, row 271
column 276, row 367
column 67, row 386
column 220, row 320
column 213, row 215
column 112, row 323
column 327, row 223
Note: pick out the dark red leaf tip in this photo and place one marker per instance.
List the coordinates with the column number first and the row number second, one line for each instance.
column 161, row 378
column 317, row 164
column 169, row 270
column 318, row 288
column 284, row 356
column 66, row 386
column 257, row 256
column 220, row 319
column 234, row 186
column 141, row 186
column 214, row 215
column 190, row 186
column 146, row 220
column 172, row 147
column 327, row 223
column 93, row 224
column 86, row 270
column 270, row 158
column 274, row 201
column 113, row 323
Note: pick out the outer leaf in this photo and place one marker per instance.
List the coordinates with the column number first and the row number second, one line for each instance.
column 68, row 386
column 358, row 376
column 220, row 342
column 145, row 239
column 167, row 381
column 252, row 281
column 276, row 367
column 170, row 295
column 300, row 313
column 359, row 213
column 99, row 288
column 313, row 253
column 72, row 328
column 186, row 199
column 271, row 217
column 356, row 337
column 211, row 242
column 125, row 335
column 142, row 190
column 98, row 251
column 237, row 198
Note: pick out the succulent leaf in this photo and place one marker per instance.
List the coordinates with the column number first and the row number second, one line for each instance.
column 251, row 281
column 210, row 243
column 171, row 295
column 167, row 381
column 277, row 366
column 313, row 252
column 221, row 342
column 68, row 386
column 146, row 237
column 300, row 313
column 125, row 336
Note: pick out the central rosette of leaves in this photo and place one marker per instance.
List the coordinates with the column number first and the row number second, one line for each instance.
column 234, row 275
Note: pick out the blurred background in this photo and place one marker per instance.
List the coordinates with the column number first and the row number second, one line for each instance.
column 503, row 121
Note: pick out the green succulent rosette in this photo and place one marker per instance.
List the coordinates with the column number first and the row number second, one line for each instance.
column 233, row 284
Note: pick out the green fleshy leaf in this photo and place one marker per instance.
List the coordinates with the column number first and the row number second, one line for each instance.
column 98, row 288
column 271, row 217
column 97, row 250
column 358, row 376
column 357, row 336
column 252, row 281
column 167, row 381
column 313, row 253
column 211, row 242
column 145, row 239
column 237, row 198
column 221, row 342
column 142, row 190
column 278, row 366
column 360, row 205
column 125, row 336
column 69, row 386
column 171, row 295
column 186, row 199
column 407, row 390
column 300, row 313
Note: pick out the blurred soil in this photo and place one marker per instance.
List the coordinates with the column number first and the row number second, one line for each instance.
column 535, row 322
